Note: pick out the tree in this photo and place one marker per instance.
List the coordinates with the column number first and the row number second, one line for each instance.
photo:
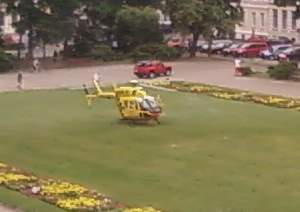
column 29, row 12
column 135, row 26
column 102, row 14
column 1, row 39
column 48, row 33
column 48, row 20
column 203, row 17
column 64, row 20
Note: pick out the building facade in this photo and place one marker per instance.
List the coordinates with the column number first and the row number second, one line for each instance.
column 262, row 17
column 6, row 21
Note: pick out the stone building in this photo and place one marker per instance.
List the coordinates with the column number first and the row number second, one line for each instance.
column 262, row 17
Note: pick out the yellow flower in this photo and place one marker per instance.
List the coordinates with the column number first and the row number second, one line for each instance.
column 82, row 202
column 62, row 188
column 2, row 165
column 147, row 209
column 11, row 177
column 275, row 100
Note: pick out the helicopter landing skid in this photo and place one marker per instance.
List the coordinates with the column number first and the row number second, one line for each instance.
column 141, row 121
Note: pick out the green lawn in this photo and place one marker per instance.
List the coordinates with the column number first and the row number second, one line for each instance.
column 208, row 154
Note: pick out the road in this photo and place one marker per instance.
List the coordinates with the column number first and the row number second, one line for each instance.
column 210, row 71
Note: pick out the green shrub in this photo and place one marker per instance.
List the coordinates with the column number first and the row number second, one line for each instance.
column 247, row 71
column 106, row 53
column 6, row 62
column 81, row 48
column 103, row 52
column 138, row 55
column 282, row 71
column 156, row 51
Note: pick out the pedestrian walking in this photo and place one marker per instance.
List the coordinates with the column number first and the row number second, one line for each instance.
column 35, row 65
column 55, row 56
column 20, row 83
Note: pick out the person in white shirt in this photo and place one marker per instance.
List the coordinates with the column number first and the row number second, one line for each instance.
column 238, row 66
column 36, row 65
column 96, row 77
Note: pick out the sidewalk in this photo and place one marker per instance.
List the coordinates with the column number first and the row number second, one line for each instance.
column 209, row 71
column 6, row 209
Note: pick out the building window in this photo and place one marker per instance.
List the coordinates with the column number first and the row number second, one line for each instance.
column 254, row 19
column 284, row 19
column 294, row 20
column 275, row 19
column 262, row 19
column 2, row 22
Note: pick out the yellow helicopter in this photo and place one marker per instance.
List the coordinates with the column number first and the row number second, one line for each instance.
column 132, row 101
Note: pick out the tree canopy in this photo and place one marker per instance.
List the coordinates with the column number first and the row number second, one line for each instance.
column 137, row 26
column 203, row 17
column 130, row 22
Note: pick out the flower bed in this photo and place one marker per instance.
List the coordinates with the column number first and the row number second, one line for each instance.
column 231, row 94
column 65, row 195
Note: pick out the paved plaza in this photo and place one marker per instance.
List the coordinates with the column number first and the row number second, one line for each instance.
column 210, row 71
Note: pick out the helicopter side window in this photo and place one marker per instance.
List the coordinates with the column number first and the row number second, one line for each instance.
column 145, row 105
column 132, row 105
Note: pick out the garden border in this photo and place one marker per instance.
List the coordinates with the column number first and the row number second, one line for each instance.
column 65, row 195
column 227, row 93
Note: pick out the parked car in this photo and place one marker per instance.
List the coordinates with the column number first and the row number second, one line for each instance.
column 251, row 49
column 257, row 39
column 273, row 50
column 151, row 69
column 200, row 44
column 217, row 46
column 231, row 49
column 290, row 54
column 286, row 40
column 176, row 42
column 282, row 54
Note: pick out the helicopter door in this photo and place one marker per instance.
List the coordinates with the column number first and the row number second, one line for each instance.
column 131, row 110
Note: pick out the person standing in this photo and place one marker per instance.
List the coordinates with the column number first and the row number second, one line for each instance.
column 96, row 77
column 55, row 56
column 238, row 66
column 20, row 84
column 36, row 65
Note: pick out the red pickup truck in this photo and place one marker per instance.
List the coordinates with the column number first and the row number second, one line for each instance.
column 151, row 69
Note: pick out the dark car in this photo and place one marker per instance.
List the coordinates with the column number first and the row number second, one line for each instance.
column 231, row 50
column 216, row 47
column 151, row 69
column 273, row 51
column 291, row 54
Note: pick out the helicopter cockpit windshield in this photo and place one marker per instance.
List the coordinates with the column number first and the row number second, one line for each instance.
column 149, row 103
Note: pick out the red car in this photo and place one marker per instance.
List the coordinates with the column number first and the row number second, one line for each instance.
column 251, row 49
column 151, row 69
